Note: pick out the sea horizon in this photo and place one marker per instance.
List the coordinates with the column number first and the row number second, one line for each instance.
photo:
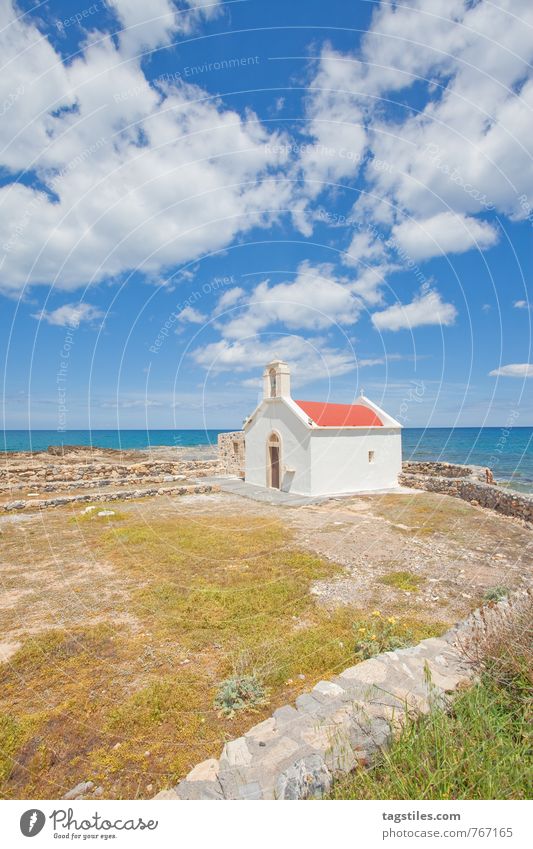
column 232, row 429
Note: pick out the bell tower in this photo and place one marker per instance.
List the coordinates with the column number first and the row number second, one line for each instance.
column 277, row 380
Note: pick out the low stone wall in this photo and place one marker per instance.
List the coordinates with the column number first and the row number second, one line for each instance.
column 119, row 495
column 468, row 487
column 446, row 470
column 298, row 751
column 231, row 453
column 44, row 473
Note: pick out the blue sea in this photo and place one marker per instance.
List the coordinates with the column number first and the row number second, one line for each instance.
column 507, row 451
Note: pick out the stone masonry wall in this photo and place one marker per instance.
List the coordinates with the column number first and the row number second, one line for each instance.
column 298, row 751
column 72, row 474
column 446, row 470
column 469, row 488
column 117, row 495
column 231, row 453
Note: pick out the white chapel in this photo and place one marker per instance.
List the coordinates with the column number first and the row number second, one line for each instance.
column 317, row 448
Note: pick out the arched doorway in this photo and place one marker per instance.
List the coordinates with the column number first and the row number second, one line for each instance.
column 274, row 461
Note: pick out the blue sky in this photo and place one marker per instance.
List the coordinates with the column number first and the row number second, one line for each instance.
column 188, row 189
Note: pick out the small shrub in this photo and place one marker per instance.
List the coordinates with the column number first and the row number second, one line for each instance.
column 503, row 650
column 241, row 692
column 495, row 593
column 380, row 634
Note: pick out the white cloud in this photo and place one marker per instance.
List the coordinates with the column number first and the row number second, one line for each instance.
column 425, row 309
column 129, row 404
column 70, row 315
column 365, row 247
column 335, row 127
column 230, row 298
column 189, row 314
column 153, row 25
column 315, row 299
column 513, row 370
column 522, row 305
column 370, row 281
column 142, row 179
column 443, row 233
column 469, row 149
column 310, row 358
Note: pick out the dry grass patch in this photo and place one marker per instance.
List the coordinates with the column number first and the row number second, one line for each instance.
column 424, row 515
column 132, row 708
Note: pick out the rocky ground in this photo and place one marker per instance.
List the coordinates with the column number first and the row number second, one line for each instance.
column 429, row 554
column 70, row 571
column 433, row 554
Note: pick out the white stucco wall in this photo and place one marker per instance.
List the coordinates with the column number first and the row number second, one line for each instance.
column 320, row 461
column 275, row 415
column 339, row 460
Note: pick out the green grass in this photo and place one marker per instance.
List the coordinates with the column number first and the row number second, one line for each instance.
column 13, row 734
column 481, row 747
column 402, row 580
column 481, row 750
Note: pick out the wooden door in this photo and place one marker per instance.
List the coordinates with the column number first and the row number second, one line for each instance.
column 274, row 466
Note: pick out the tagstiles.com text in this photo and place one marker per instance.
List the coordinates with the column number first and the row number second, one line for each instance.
column 420, row 831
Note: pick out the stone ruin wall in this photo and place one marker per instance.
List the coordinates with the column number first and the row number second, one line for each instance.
column 73, row 473
column 231, row 453
column 447, row 470
column 70, row 474
column 467, row 482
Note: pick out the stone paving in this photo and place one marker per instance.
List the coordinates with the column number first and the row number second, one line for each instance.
column 266, row 495
column 298, row 751
column 236, row 486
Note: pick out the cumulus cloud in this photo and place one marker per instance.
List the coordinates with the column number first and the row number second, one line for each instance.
column 70, row 315
column 425, row 309
column 443, row 233
column 317, row 298
column 336, row 127
column 192, row 316
column 513, row 370
column 311, row 358
column 522, row 305
column 131, row 176
column 231, row 297
column 468, row 149
column 154, row 25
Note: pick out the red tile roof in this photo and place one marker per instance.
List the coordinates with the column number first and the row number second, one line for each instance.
column 340, row 415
